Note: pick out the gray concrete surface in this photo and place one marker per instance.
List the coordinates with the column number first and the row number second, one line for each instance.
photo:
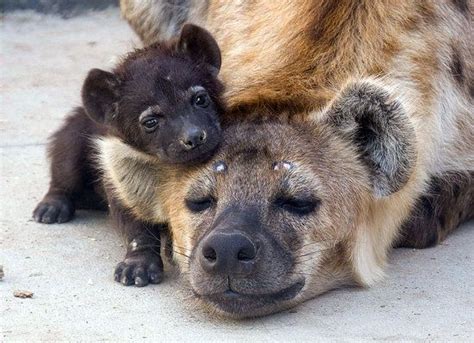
column 427, row 295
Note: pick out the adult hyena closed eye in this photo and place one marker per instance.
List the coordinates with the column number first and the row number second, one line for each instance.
column 163, row 101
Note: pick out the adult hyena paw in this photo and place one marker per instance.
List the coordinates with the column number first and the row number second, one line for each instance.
column 140, row 270
column 54, row 209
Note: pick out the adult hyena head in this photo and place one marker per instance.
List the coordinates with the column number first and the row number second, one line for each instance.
column 267, row 222
column 284, row 212
column 279, row 215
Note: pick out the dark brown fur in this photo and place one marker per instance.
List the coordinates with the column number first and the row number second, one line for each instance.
column 448, row 202
column 74, row 180
column 457, row 68
column 157, row 82
column 462, row 6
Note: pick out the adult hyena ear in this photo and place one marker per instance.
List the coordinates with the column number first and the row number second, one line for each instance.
column 100, row 95
column 200, row 46
column 378, row 125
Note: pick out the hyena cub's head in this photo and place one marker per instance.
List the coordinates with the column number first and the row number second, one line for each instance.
column 283, row 212
column 164, row 99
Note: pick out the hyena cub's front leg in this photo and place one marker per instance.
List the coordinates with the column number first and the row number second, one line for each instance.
column 142, row 263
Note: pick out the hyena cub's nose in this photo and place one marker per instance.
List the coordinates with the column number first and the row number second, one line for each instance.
column 228, row 253
column 193, row 137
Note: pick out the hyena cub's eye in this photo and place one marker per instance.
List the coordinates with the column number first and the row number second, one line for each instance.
column 201, row 99
column 200, row 204
column 150, row 123
column 297, row 206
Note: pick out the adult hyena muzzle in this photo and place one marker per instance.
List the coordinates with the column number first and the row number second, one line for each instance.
column 240, row 267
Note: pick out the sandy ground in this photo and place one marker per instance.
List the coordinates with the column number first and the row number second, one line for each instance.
column 427, row 295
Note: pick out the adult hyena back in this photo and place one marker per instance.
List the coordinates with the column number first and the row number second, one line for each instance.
column 276, row 50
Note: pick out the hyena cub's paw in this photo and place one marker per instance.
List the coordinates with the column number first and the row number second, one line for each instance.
column 140, row 270
column 54, row 209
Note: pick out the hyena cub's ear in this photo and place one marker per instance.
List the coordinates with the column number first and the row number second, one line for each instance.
column 100, row 95
column 380, row 128
column 200, row 46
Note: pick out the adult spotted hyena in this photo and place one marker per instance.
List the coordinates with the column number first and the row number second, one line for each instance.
column 285, row 211
column 295, row 61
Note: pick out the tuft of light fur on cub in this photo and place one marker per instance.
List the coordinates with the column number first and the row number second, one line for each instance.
column 132, row 176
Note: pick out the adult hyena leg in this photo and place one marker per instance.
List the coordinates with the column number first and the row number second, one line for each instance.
column 448, row 203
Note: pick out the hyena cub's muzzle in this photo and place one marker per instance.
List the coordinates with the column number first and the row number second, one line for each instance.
column 240, row 268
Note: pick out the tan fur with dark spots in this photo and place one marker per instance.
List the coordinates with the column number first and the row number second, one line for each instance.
column 290, row 61
column 273, row 50
column 282, row 58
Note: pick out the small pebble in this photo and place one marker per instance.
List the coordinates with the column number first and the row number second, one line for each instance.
column 2, row 274
column 23, row 294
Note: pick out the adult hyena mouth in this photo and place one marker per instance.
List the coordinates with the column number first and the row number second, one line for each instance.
column 241, row 304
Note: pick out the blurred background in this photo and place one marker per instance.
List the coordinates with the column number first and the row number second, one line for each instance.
column 64, row 8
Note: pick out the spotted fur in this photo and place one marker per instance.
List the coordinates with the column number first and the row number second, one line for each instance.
column 301, row 62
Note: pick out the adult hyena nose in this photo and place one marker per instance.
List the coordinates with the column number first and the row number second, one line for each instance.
column 192, row 137
column 228, row 253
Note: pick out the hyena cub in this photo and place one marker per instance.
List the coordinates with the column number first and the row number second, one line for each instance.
column 164, row 102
